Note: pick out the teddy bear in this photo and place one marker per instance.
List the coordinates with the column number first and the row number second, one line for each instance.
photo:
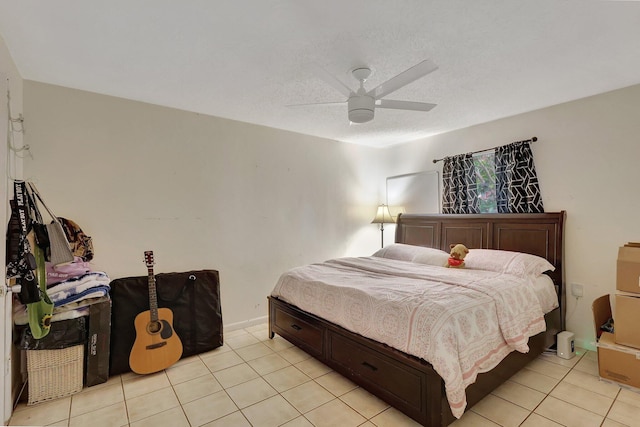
column 457, row 254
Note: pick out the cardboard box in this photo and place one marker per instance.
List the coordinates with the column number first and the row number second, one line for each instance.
column 618, row 363
column 601, row 308
column 98, row 343
column 627, row 320
column 628, row 272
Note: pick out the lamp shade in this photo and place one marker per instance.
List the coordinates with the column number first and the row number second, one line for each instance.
column 383, row 216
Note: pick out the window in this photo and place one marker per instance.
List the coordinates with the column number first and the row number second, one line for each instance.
column 484, row 163
column 500, row 180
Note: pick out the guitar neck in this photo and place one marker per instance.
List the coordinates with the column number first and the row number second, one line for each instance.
column 153, row 298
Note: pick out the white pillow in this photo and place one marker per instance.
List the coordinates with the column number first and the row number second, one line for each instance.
column 397, row 251
column 411, row 253
column 431, row 256
column 516, row 263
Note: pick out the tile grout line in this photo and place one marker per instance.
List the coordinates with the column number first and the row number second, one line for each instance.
column 124, row 397
column 611, row 407
column 70, row 407
column 553, row 388
column 573, row 385
column 549, row 393
column 244, row 382
column 178, row 399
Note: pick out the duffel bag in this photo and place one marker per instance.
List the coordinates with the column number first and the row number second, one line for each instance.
column 192, row 296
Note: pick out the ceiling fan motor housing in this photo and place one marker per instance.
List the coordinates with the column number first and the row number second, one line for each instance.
column 361, row 108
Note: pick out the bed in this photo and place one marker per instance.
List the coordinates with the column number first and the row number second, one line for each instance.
column 408, row 382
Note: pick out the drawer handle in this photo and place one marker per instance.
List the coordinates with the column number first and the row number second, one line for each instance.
column 296, row 327
column 370, row 366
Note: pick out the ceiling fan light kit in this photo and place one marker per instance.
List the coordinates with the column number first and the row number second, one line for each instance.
column 361, row 108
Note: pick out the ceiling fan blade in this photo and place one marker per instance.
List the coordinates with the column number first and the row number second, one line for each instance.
column 404, row 105
column 317, row 103
column 404, row 78
column 333, row 81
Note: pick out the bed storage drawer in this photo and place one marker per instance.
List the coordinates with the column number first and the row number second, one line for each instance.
column 401, row 383
column 304, row 330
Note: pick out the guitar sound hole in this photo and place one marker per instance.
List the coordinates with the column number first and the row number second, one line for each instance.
column 154, row 327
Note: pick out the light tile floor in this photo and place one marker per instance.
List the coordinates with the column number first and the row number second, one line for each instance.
column 254, row 381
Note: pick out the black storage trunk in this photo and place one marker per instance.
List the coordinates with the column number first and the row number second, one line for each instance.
column 194, row 299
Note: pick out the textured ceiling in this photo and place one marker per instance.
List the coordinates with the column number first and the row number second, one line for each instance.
column 248, row 60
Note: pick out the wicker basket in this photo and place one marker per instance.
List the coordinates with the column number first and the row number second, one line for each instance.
column 54, row 373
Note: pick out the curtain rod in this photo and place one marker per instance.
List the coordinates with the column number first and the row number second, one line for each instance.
column 534, row 139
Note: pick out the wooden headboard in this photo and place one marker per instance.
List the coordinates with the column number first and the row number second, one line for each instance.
column 538, row 234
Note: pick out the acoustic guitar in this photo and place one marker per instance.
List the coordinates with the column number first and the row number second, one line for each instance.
column 157, row 346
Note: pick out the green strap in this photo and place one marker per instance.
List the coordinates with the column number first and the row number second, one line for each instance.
column 40, row 312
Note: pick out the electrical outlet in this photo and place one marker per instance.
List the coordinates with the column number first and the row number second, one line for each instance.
column 577, row 290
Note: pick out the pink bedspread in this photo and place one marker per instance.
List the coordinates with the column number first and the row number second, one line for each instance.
column 462, row 321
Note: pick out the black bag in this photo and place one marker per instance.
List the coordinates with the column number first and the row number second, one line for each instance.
column 97, row 350
column 63, row 334
column 21, row 264
column 38, row 225
column 194, row 299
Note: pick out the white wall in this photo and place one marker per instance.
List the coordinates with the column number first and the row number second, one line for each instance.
column 586, row 158
column 201, row 192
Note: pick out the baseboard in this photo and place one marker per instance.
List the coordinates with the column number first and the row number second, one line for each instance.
column 245, row 324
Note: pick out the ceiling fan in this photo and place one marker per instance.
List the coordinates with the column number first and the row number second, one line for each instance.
column 362, row 103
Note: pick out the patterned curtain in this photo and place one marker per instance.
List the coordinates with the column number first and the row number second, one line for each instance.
column 517, row 189
column 460, row 194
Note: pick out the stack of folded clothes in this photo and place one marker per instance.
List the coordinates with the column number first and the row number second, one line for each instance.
column 72, row 288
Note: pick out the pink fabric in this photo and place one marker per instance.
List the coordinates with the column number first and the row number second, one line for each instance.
column 462, row 321
column 60, row 273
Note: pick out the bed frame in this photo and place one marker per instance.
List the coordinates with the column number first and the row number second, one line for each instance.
column 406, row 382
